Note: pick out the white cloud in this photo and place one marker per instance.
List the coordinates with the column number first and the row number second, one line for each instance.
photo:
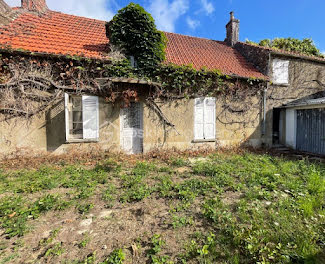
column 166, row 13
column 207, row 7
column 98, row 9
column 192, row 23
column 323, row 52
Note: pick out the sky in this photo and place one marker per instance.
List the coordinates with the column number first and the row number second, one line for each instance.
column 259, row 19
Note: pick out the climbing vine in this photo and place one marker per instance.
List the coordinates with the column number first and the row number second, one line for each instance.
column 29, row 83
column 133, row 30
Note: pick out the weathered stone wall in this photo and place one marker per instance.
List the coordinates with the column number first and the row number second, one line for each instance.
column 47, row 133
column 237, row 123
column 256, row 55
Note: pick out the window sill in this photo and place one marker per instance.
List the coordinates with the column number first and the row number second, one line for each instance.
column 203, row 140
column 281, row 84
column 71, row 141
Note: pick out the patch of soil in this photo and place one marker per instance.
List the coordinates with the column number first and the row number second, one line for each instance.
column 107, row 229
column 231, row 198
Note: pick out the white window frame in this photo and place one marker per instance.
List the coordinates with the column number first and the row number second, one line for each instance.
column 204, row 138
column 280, row 71
column 90, row 111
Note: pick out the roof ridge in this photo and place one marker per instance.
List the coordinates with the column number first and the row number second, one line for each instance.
column 23, row 11
column 99, row 20
column 189, row 36
column 83, row 17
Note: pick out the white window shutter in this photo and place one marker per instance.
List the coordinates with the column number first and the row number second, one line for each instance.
column 90, row 117
column 66, row 109
column 199, row 118
column 280, row 71
column 209, row 118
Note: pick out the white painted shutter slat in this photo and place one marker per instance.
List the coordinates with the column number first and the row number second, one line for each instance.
column 90, row 117
column 66, row 109
column 199, row 118
column 209, row 118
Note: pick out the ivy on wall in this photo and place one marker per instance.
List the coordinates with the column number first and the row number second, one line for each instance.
column 133, row 30
column 134, row 33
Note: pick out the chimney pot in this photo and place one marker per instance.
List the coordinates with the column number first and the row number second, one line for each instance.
column 232, row 17
column 34, row 5
column 232, row 30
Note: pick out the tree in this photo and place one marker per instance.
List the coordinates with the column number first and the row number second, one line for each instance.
column 304, row 46
column 133, row 30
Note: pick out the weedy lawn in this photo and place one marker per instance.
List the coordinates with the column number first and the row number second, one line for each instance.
column 220, row 208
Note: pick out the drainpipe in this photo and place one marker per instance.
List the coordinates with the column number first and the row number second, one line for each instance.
column 264, row 109
column 265, row 99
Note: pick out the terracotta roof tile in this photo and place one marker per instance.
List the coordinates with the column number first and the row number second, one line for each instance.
column 64, row 34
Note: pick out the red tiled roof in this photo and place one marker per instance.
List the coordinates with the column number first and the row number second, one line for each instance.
column 63, row 34
column 56, row 33
column 208, row 53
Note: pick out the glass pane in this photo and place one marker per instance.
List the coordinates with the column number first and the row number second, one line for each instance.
column 76, row 104
column 76, row 116
column 132, row 116
column 76, row 129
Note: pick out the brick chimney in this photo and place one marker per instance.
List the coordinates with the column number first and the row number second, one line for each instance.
column 6, row 13
column 34, row 5
column 232, row 30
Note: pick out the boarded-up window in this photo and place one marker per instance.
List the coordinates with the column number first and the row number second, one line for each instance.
column 82, row 117
column 280, row 71
column 205, row 118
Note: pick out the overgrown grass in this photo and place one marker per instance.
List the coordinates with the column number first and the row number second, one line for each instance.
column 253, row 208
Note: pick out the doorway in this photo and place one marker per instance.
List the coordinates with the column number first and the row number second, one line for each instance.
column 278, row 129
column 132, row 128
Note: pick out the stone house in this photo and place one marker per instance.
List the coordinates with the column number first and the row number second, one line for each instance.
column 269, row 115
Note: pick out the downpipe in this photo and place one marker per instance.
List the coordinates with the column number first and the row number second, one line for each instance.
column 264, row 110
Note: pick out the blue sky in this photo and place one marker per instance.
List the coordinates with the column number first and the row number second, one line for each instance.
column 259, row 19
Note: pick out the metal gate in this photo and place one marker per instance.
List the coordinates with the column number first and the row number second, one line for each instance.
column 311, row 130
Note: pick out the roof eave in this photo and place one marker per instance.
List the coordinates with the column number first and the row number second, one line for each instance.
column 52, row 55
column 297, row 56
column 80, row 57
column 235, row 76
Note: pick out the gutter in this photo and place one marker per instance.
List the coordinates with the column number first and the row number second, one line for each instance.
column 51, row 55
column 303, row 104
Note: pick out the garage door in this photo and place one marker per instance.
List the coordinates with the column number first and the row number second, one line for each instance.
column 311, row 130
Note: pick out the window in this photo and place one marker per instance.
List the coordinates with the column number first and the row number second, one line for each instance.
column 280, row 71
column 133, row 62
column 81, row 117
column 205, row 118
column 76, row 125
